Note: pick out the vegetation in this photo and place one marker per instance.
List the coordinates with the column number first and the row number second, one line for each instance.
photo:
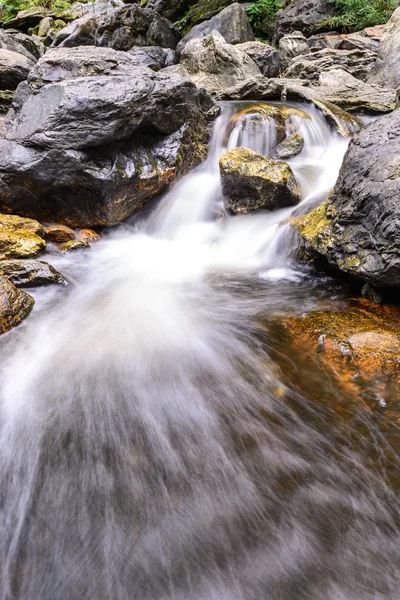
column 262, row 15
column 353, row 15
column 9, row 8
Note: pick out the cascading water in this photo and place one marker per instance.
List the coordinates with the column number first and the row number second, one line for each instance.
column 148, row 447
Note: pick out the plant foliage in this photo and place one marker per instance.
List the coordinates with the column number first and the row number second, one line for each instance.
column 9, row 8
column 354, row 15
column 262, row 14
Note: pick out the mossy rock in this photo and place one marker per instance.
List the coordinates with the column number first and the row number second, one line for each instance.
column 15, row 305
column 74, row 245
column 251, row 181
column 20, row 237
column 291, row 146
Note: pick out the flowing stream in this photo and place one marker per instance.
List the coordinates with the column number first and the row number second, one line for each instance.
column 152, row 446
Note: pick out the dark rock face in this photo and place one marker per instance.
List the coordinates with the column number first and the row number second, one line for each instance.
column 357, row 228
column 30, row 273
column 266, row 57
column 386, row 70
column 14, row 68
column 170, row 9
column 21, row 44
column 232, row 23
column 15, row 305
column 93, row 136
column 251, row 181
column 303, row 15
column 121, row 29
column 154, row 57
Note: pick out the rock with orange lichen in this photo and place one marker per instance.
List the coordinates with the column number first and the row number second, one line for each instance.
column 15, row 305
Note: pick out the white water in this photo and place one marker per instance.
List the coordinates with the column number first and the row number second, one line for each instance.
column 146, row 449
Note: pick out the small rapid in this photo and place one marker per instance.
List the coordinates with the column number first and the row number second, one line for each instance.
column 150, row 448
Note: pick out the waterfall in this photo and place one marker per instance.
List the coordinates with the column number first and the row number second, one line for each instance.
column 149, row 449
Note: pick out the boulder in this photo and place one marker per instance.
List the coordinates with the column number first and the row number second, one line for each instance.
column 45, row 26
column 87, row 235
column 307, row 16
column 93, row 136
column 170, row 9
column 367, row 39
column 386, row 70
column 74, row 245
column 15, row 305
column 232, row 23
column 213, row 64
column 30, row 273
column 291, row 146
column 20, row 238
column 204, row 10
column 342, row 122
column 265, row 56
column 21, row 44
column 120, row 29
column 6, row 98
column 357, row 229
column 291, row 46
column 14, row 68
column 251, row 181
column 154, row 57
column 309, row 66
column 28, row 18
column 59, row 233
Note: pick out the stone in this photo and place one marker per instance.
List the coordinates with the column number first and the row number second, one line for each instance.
column 87, row 235
column 15, row 305
column 30, row 273
column 232, row 23
column 204, row 10
column 45, row 26
column 6, row 98
column 291, row 46
column 154, row 57
column 20, row 238
column 74, row 245
column 92, row 136
column 120, row 29
column 310, row 66
column 21, row 44
column 307, row 16
column 214, row 65
column 59, row 233
column 367, row 39
column 291, row 146
column 265, row 56
column 386, row 69
column 170, row 9
column 14, row 68
column 357, row 229
column 342, row 122
column 252, row 181
column 28, row 18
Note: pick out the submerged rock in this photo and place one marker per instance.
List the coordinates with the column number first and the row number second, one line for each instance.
column 232, row 23
column 251, row 181
column 30, row 273
column 214, row 65
column 15, row 305
column 291, row 146
column 94, row 135
column 358, row 228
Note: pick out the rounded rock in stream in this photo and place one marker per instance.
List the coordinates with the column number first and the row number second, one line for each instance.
column 15, row 305
column 251, row 181
column 20, row 237
column 30, row 273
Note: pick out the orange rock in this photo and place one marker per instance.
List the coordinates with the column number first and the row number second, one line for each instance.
column 87, row 235
column 59, row 233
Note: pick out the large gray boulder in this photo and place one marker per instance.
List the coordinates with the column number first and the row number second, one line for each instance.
column 22, row 44
column 358, row 228
column 93, row 136
column 232, row 23
column 14, row 68
column 154, row 57
column 291, row 46
column 306, row 16
column 121, row 29
column 386, row 70
column 265, row 56
column 310, row 66
column 214, row 65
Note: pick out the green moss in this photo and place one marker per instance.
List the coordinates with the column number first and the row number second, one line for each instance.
column 316, row 227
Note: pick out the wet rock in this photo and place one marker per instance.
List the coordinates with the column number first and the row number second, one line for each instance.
column 93, row 136
column 30, row 273
column 87, row 235
column 342, row 122
column 256, row 118
column 214, row 65
column 59, row 233
column 232, row 23
column 121, row 29
column 309, row 66
column 15, row 305
column 74, row 245
column 357, row 228
column 307, row 16
column 251, row 181
column 266, row 57
column 291, row 146
column 14, row 68
column 20, row 238
column 371, row 293
column 291, row 46
column 386, row 70
column 154, row 57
